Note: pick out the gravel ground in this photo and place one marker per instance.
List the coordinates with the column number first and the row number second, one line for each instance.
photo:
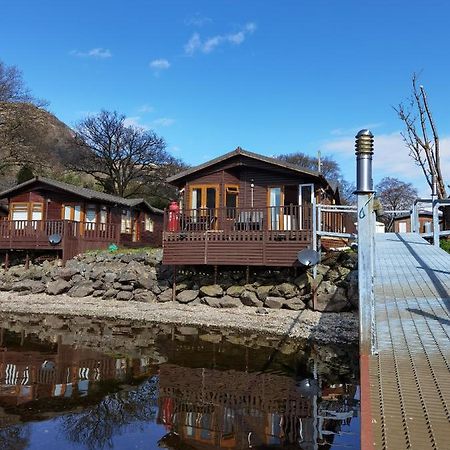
column 319, row 327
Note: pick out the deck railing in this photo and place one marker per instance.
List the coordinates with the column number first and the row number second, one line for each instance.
column 39, row 231
column 228, row 220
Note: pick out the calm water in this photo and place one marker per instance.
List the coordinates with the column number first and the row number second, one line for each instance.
column 93, row 384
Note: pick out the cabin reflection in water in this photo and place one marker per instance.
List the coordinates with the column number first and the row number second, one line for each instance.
column 204, row 408
column 198, row 407
column 56, row 370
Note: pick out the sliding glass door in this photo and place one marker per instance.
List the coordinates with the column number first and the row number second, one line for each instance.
column 204, row 201
column 306, row 200
column 275, row 202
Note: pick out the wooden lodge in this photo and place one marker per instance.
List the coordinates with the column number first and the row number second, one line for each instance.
column 49, row 215
column 401, row 223
column 243, row 209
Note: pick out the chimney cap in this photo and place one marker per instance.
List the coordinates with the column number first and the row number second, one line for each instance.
column 364, row 132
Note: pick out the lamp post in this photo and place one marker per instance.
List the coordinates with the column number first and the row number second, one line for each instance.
column 366, row 238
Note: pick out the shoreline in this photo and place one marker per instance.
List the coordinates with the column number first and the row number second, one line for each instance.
column 325, row 328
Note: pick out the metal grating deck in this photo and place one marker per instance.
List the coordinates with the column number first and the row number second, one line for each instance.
column 410, row 377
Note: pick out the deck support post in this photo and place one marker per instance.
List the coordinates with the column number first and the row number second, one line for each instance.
column 314, row 287
column 174, row 284
column 215, row 274
column 247, row 274
column 366, row 239
column 7, row 260
column 27, row 261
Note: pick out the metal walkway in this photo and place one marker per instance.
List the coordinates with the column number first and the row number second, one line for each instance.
column 409, row 378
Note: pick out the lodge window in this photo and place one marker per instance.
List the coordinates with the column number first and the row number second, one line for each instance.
column 19, row 211
column 36, row 211
column 204, row 196
column 149, row 224
column 231, row 200
column 125, row 225
column 72, row 212
column 91, row 216
column 19, row 214
column 103, row 217
column 26, row 212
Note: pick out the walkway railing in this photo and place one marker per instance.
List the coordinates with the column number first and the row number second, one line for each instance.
column 245, row 219
column 436, row 204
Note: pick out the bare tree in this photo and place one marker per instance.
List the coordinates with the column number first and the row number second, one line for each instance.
column 12, row 86
column 328, row 165
column 15, row 437
column 395, row 195
column 421, row 137
column 94, row 427
column 329, row 168
column 121, row 158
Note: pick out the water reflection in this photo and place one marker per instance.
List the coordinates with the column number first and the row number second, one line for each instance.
column 95, row 427
column 170, row 387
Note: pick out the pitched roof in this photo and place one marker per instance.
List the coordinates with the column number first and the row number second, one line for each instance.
column 422, row 212
column 88, row 194
column 239, row 151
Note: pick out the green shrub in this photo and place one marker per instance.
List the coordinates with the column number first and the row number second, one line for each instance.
column 445, row 245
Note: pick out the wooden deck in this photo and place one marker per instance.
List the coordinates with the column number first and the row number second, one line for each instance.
column 260, row 236
column 76, row 237
column 406, row 385
column 239, row 247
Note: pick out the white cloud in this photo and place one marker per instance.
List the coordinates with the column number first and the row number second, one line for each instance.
column 159, row 64
column 97, row 53
column 197, row 20
column 193, row 44
column 144, row 109
column 163, row 122
column 353, row 130
column 134, row 122
column 208, row 45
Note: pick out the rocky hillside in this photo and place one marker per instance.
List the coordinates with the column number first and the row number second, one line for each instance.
column 35, row 137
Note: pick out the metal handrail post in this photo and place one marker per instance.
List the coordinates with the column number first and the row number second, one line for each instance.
column 413, row 217
column 314, row 231
column 366, row 238
column 436, row 228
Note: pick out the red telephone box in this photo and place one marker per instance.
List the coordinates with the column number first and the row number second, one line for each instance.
column 174, row 216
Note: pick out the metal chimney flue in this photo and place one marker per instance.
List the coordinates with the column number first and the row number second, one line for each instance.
column 364, row 152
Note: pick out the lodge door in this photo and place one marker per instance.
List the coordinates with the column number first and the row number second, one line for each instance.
column 204, row 201
column 275, row 202
column 306, row 201
column 136, row 227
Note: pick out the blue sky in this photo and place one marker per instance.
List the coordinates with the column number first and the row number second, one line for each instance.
column 272, row 76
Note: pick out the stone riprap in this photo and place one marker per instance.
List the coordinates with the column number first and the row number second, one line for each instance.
column 142, row 277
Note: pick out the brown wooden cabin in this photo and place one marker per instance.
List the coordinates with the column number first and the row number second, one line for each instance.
column 243, row 209
column 83, row 218
column 402, row 222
